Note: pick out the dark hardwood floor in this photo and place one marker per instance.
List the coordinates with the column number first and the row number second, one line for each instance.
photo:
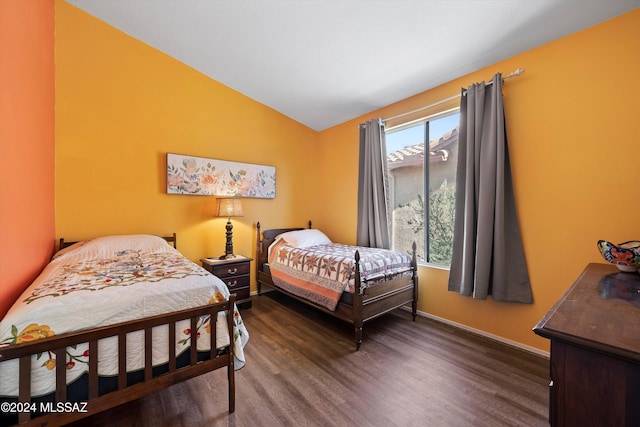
column 302, row 370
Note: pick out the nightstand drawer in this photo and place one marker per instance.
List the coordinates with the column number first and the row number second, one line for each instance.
column 236, row 282
column 223, row 271
column 242, row 295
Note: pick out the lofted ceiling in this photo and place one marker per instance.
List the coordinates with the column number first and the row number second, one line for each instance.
column 323, row 62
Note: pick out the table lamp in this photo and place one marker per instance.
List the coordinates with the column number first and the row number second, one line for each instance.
column 229, row 207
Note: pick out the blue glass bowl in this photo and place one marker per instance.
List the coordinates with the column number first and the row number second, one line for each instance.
column 625, row 256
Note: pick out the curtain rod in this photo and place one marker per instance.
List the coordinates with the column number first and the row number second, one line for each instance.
column 515, row 73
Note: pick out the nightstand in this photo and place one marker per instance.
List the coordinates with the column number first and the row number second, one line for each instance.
column 235, row 273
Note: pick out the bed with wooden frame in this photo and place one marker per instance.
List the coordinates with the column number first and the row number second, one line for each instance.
column 366, row 302
column 62, row 406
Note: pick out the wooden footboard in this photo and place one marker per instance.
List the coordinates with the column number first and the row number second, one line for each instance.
column 97, row 403
column 376, row 300
column 368, row 302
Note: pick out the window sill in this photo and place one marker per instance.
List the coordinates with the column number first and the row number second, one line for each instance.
column 434, row 266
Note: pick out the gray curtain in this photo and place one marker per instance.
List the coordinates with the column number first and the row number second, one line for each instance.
column 488, row 258
column 373, row 187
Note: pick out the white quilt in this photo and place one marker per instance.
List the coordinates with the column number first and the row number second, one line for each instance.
column 104, row 281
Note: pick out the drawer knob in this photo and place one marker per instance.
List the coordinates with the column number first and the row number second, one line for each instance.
column 232, row 284
column 232, row 270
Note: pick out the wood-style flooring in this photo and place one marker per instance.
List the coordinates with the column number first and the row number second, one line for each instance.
column 302, row 370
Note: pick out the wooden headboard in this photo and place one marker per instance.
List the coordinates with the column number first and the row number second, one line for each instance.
column 267, row 238
column 170, row 239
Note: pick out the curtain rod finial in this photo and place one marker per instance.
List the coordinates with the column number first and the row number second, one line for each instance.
column 517, row 72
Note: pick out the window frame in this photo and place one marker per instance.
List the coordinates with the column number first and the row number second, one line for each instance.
column 425, row 120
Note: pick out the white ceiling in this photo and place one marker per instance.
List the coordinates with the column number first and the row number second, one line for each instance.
column 323, row 62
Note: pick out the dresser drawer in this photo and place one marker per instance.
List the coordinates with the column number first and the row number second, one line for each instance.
column 223, row 271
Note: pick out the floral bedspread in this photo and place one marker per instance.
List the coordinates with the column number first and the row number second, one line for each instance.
column 321, row 273
column 105, row 281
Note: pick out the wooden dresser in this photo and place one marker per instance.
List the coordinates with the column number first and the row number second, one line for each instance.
column 595, row 350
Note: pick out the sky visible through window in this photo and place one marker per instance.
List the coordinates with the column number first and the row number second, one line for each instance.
column 399, row 139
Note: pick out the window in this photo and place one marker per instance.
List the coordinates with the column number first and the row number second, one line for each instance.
column 426, row 220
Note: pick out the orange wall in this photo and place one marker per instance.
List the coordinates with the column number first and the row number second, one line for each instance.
column 575, row 146
column 122, row 105
column 26, row 143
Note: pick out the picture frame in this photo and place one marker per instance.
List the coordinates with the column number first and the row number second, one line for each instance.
column 202, row 176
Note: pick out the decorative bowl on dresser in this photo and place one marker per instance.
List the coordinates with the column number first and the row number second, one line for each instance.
column 235, row 273
column 625, row 256
column 595, row 350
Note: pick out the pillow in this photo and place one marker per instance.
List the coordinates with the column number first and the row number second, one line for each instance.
column 108, row 246
column 304, row 238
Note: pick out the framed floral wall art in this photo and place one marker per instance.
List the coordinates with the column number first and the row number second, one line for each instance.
column 211, row 177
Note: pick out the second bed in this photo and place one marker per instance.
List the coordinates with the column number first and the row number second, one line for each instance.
column 355, row 284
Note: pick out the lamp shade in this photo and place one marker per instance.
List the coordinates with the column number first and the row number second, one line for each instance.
column 229, row 207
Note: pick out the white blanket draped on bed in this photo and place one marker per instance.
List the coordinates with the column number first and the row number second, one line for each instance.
column 104, row 281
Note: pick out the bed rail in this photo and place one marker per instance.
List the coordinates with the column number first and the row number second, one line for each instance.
column 97, row 403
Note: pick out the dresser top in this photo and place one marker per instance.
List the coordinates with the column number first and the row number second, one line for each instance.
column 601, row 311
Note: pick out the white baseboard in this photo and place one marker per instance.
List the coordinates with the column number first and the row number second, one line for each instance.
column 485, row 334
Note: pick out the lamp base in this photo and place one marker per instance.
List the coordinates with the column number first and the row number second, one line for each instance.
column 228, row 250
